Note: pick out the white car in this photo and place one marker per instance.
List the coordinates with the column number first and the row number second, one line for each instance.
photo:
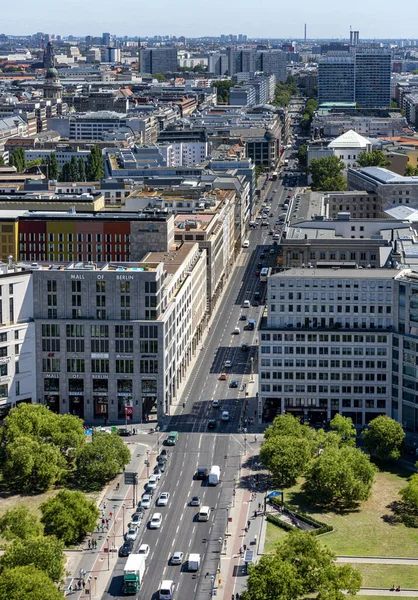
column 163, row 499
column 177, row 558
column 157, row 476
column 131, row 534
column 144, row 549
column 152, row 483
column 225, row 415
column 228, row 363
column 156, row 521
column 216, row 404
column 146, row 501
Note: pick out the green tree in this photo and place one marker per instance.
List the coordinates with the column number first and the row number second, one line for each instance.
column 65, row 174
column 222, row 90
column 53, row 166
column 74, row 168
column 302, row 154
column 410, row 170
column 36, row 162
column 20, row 523
column 384, row 438
column 409, row 495
column 286, row 457
column 301, row 565
column 340, row 476
column 69, row 515
column 327, row 174
column 28, row 583
column 159, row 76
column 344, row 427
column 101, row 460
column 290, row 426
column 18, row 159
column 81, row 169
column 44, row 553
column 374, row 158
column 95, row 165
column 2, row 161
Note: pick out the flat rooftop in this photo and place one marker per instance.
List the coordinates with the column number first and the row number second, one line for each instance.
column 336, row 273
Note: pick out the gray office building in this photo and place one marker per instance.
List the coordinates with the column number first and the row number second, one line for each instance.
column 372, row 77
column 157, row 60
column 336, row 79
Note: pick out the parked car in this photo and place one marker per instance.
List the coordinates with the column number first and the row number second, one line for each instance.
column 211, row 424
column 131, row 534
column 126, row 549
column 124, row 432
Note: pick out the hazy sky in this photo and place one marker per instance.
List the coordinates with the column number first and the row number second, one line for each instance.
column 261, row 18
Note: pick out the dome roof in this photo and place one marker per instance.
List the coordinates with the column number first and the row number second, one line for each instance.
column 52, row 73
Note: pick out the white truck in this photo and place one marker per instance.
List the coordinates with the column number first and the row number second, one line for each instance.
column 193, row 563
column 214, row 475
column 133, row 574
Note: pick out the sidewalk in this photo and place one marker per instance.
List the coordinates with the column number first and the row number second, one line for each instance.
column 91, row 568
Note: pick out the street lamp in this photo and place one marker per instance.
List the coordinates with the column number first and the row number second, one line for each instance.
column 228, row 506
column 147, row 463
column 108, row 553
column 251, row 369
column 114, row 524
column 123, row 517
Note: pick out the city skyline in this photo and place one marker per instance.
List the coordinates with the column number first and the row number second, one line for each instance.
column 328, row 22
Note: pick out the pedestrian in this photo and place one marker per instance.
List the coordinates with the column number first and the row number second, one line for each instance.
column 117, row 485
column 89, row 549
column 79, row 584
column 255, row 438
column 98, row 528
column 246, row 529
column 95, row 545
column 248, row 524
column 81, row 570
column 103, row 522
column 104, row 505
column 240, row 551
column 259, row 506
column 245, row 547
column 255, row 539
column 255, row 514
column 83, row 584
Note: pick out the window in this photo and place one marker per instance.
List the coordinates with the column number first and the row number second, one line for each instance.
column 51, row 365
column 99, row 338
column 100, row 365
column 75, row 365
column 125, row 366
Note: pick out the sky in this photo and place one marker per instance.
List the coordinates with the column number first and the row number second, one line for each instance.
column 264, row 18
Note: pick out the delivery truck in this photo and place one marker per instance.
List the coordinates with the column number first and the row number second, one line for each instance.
column 193, row 562
column 214, row 475
column 133, row 574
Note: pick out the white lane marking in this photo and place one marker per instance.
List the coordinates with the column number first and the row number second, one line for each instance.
column 177, row 530
column 152, row 556
column 181, row 518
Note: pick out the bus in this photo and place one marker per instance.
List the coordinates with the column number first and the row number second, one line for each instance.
column 264, row 273
column 172, row 438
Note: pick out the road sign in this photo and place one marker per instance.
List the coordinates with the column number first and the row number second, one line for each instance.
column 130, row 478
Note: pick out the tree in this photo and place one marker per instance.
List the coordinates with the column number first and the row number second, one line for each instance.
column 20, row 523
column 374, row 158
column 95, row 165
column 302, row 154
column 409, row 495
column 222, row 90
column 286, row 457
column 1, row 161
column 290, row 426
column 29, row 583
column 74, row 169
column 101, row 460
column 301, row 565
column 327, row 174
column 44, row 553
column 344, row 427
column 81, row 170
column 69, row 515
column 340, row 476
column 18, row 159
column 36, row 162
column 65, row 174
column 53, row 166
column 410, row 170
column 384, row 438
column 159, row 76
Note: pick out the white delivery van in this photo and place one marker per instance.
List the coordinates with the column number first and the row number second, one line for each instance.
column 246, row 304
column 204, row 513
column 245, row 243
column 193, row 563
column 214, row 475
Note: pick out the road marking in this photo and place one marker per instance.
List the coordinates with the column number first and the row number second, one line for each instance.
column 181, row 518
column 177, row 530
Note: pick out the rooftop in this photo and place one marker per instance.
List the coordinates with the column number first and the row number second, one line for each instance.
column 336, row 273
column 350, row 139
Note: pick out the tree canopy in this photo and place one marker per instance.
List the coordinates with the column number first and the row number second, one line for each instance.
column 101, row 460
column 69, row 515
column 344, row 427
column 410, row 170
column 95, row 165
column 284, row 92
column 222, row 90
column 327, row 174
column 409, row 495
column 28, row 583
column 302, row 154
column 301, row 565
column 374, row 158
column 20, row 523
column 340, row 476
column 44, row 553
column 18, row 159
column 384, row 438
column 307, row 114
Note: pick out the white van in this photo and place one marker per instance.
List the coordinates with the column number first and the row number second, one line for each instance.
column 214, row 475
column 204, row 513
column 166, row 591
column 246, row 304
column 237, row 331
column 245, row 243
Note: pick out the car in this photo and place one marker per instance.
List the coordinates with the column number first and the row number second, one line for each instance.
column 177, row 558
column 157, row 471
column 234, row 383
column 152, row 482
column 223, row 377
column 163, row 499
column 161, row 465
column 271, row 251
column 244, row 347
column 144, row 549
column 136, row 518
column 202, row 473
column 243, row 317
column 216, row 404
column 163, row 452
column 259, row 265
column 146, row 501
column 262, row 255
column 157, row 476
column 257, row 273
column 271, row 232
column 124, row 432
column 131, row 534
column 126, row 549
column 195, row 501
column 156, row 520
column 228, row 363
column 225, row 415
column 211, row 424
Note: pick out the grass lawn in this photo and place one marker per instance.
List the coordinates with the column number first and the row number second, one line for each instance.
column 362, row 532
column 379, row 597
column 383, row 576
column 274, row 535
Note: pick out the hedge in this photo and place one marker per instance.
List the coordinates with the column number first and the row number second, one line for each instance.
column 320, row 527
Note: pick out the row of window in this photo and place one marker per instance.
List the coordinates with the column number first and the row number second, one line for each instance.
column 333, row 351
column 335, row 283
column 99, row 365
column 325, row 337
column 330, row 308
column 314, row 376
column 347, row 297
column 74, row 237
column 323, row 364
column 333, row 403
column 336, row 389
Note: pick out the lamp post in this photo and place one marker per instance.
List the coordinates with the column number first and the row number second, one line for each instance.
column 147, row 463
column 114, row 524
column 123, row 517
column 228, row 506
column 108, row 553
column 251, row 369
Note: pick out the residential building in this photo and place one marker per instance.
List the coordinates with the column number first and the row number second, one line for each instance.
column 157, row 60
column 242, row 95
column 392, row 189
column 336, row 79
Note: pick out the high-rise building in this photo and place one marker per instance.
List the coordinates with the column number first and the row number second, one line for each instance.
column 372, row 77
column 106, row 38
column 271, row 62
column 112, row 55
column 157, row 60
column 336, row 79
column 362, row 76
